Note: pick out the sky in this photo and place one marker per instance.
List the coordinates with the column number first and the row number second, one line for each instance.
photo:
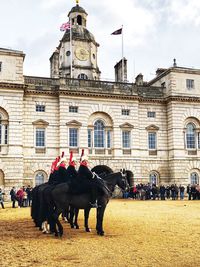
column 154, row 33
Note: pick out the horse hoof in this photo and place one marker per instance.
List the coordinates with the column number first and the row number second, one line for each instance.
column 88, row 230
column 101, row 233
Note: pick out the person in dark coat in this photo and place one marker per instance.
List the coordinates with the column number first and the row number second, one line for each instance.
column 86, row 177
column 162, row 192
column 13, row 196
column 1, row 198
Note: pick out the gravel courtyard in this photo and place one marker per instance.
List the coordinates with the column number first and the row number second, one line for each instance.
column 137, row 233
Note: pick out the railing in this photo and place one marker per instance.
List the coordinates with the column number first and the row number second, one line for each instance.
column 67, row 84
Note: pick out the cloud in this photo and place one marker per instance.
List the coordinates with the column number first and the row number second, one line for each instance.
column 184, row 12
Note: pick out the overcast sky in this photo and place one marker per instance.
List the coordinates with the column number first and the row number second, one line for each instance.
column 155, row 32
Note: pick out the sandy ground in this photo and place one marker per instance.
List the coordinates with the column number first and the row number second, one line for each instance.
column 137, row 233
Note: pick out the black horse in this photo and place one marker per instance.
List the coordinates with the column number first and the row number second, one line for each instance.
column 62, row 199
column 74, row 212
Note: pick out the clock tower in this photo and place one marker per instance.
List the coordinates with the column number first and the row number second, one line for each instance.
column 76, row 55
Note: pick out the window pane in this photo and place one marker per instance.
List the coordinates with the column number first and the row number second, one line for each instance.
column 108, row 139
column 73, row 109
column 99, row 134
column 190, row 136
column 194, row 178
column 40, row 108
column 89, row 138
column 73, row 137
column 126, row 139
column 40, row 137
column 152, row 140
column 126, row 112
column 151, row 114
column 6, row 134
column 39, row 178
column 189, row 83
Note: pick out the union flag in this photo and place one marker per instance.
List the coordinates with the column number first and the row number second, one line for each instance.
column 65, row 26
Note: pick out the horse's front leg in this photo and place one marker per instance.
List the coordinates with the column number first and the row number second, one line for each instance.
column 99, row 217
column 76, row 212
column 86, row 217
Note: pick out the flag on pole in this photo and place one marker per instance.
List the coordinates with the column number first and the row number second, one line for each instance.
column 119, row 31
column 65, row 26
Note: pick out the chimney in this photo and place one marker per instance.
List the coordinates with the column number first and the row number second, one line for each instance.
column 139, row 79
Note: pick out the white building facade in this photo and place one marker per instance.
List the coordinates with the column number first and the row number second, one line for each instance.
column 151, row 129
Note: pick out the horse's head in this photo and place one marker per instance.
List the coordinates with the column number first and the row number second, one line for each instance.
column 122, row 181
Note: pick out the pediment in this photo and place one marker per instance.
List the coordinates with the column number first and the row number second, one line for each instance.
column 74, row 123
column 40, row 123
column 126, row 125
column 152, row 127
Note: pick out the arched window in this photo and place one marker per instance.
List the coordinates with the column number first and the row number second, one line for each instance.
column 83, row 76
column 3, row 129
column 39, row 178
column 194, row 178
column 190, row 136
column 99, row 134
column 79, row 20
column 153, row 178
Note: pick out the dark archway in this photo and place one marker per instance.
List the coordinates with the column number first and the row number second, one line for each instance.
column 130, row 177
column 79, row 20
column 102, row 170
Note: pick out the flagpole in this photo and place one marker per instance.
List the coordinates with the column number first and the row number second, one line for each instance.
column 71, row 52
column 122, row 55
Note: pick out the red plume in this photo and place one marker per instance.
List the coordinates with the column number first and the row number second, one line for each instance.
column 63, row 153
column 71, row 156
column 82, row 153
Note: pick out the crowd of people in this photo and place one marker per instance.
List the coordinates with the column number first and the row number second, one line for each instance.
column 162, row 192
column 22, row 196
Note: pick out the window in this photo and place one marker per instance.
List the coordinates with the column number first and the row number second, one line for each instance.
column 151, row 114
column 99, row 134
column 40, row 108
column 39, row 178
column 3, row 130
column 73, row 137
column 0, row 66
column 126, row 139
column 190, row 136
column 89, row 138
column 108, row 139
column 79, row 20
column 126, row 112
column 153, row 178
column 152, row 140
column 194, row 178
column 73, row 109
column 40, row 137
column 189, row 84
column 82, row 76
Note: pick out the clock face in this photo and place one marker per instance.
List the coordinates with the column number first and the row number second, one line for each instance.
column 82, row 54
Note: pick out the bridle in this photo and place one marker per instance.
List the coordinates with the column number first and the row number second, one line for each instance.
column 124, row 179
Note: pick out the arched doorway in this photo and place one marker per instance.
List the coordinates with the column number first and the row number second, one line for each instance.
column 102, row 170
column 40, row 177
